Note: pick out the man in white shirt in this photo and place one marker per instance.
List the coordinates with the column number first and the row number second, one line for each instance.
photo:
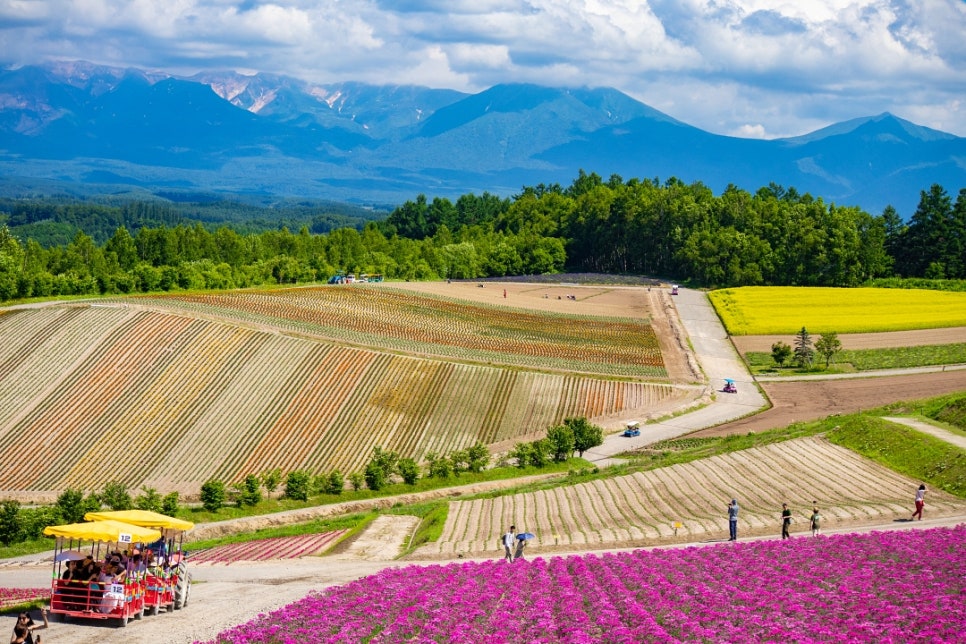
column 508, row 540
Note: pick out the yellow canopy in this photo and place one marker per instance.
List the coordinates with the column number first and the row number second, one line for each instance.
column 109, row 531
column 143, row 518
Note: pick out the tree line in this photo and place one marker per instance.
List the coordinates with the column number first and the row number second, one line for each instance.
column 775, row 236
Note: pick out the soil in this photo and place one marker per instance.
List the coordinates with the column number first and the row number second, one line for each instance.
column 856, row 341
column 805, row 400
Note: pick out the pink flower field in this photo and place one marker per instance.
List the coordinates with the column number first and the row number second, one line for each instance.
column 15, row 596
column 899, row 586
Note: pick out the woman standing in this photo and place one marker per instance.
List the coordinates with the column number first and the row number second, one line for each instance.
column 23, row 632
column 920, row 502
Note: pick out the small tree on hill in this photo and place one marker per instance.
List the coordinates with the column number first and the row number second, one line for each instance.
column 478, row 456
column 439, row 466
column 561, row 438
column 298, row 485
column 149, row 499
column 271, row 479
column 169, row 504
column 408, row 470
column 250, row 491
column 335, row 483
column 115, row 496
column 827, row 346
column 780, row 353
column 213, row 494
column 586, row 434
column 804, row 352
column 70, row 505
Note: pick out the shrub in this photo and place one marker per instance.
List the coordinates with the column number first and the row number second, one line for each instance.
column 408, row 470
column 271, row 480
column 335, row 483
column 298, row 485
column 250, row 491
column 169, row 504
column 116, row 496
column 213, row 494
column 439, row 467
column 10, row 523
column 70, row 505
column 478, row 456
column 149, row 499
column 357, row 480
column 375, row 476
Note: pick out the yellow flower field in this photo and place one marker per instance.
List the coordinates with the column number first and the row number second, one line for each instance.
column 769, row 310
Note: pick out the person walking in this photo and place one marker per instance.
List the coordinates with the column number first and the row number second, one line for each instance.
column 920, row 502
column 521, row 544
column 786, row 520
column 816, row 522
column 508, row 544
column 733, row 520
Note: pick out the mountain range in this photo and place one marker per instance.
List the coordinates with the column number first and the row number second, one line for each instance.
column 79, row 128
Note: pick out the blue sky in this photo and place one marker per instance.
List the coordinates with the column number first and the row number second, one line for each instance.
column 753, row 68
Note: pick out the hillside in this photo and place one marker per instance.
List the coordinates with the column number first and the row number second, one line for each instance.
column 168, row 392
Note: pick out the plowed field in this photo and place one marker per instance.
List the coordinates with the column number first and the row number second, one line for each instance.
column 642, row 508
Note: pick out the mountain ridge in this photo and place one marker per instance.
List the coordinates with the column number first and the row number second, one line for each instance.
column 72, row 123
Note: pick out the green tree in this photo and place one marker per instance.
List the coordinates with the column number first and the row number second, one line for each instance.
column 357, row 480
column 149, row 499
column 439, row 466
column 541, row 453
column 804, row 351
column 780, row 353
column 408, row 470
column 169, row 504
column 298, row 485
column 335, row 483
column 213, row 494
column 586, row 434
column 250, row 493
column 522, row 453
column 478, row 457
column 10, row 523
column 70, row 505
column 271, row 479
column 375, row 476
column 562, row 442
column 827, row 346
column 115, row 496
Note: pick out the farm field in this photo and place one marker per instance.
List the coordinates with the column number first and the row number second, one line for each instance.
column 381, row 316
column 641, row 508
column 773, row 310
column 190, row 395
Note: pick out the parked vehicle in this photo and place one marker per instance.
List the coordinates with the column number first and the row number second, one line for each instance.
column 87, row 599
column 167, row 581
column 674, row 289
column 633, row 429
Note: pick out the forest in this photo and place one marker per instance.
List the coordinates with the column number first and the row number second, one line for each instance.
column 671, row 230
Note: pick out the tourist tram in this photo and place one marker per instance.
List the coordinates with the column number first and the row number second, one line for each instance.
column 167, row 580
column 144, row 552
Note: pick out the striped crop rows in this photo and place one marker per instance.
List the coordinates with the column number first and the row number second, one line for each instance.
column 643, row 507
column 405, row 321
column 305, row 545
column 90, row 394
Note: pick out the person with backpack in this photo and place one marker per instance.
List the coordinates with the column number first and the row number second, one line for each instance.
column 816, row 522
column 508, row 542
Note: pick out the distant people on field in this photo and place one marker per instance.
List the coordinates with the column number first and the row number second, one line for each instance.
column 816, row 522
column 920, row 502
column 733, row 520
column 508, row 538
column 786, row 520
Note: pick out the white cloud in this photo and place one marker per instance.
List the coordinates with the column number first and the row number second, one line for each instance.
column 760, row 67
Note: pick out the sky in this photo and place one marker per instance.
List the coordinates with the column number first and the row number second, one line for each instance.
column 749, row 68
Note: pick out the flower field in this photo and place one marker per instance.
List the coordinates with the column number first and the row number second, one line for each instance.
column 16, row 596
column 641, row 508
column 93, row 393
column 400, row 320
column 305, row 545
column 770, row 310
column 901, row 586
